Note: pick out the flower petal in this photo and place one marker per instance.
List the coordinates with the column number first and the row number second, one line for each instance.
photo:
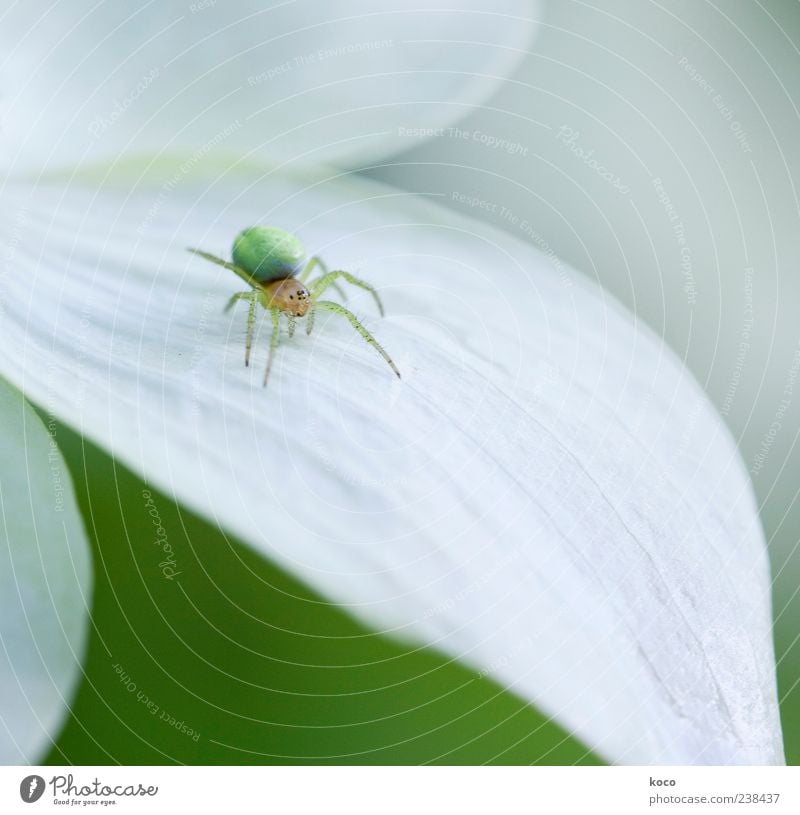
column 346, row 80
column 44, row 584
column 546, row 494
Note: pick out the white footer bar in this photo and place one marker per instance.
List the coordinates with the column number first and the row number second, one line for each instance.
column 403, row 790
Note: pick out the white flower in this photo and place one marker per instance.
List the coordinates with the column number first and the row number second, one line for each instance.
column 44, row 584
column 339, row 81
column 546, row 495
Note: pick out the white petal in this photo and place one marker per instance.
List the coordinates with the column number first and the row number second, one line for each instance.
column 345, row 80
column 45, row 582
column 546, row 495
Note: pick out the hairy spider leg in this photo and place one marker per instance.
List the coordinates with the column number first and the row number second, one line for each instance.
column 236, row 297
column 252, row 296
column 327, row 279
column 273, row 342
column 336, row 308
column 319, row 285
column 249, row 279
column 251, row 322
column 310, row 266
column 292, row 320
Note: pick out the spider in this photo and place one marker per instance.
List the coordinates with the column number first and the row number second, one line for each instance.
column 270, row 260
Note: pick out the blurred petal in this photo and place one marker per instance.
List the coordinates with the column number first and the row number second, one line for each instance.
column 347, row 80
column 45, row 582
column 546, row 494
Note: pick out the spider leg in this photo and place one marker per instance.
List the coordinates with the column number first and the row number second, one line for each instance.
column 312, row 313
column 252, row 296
column 251, row 321
column 311, row 265
column 236, row 297
column 292, row 324
column 248, row 278
column 336, row 308
column 321, row 283
column 273, row 343
column 208, row 256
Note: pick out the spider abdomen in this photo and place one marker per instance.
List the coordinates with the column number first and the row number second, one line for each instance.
column 268, row 253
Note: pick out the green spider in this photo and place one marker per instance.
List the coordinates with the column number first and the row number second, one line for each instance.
column 269, row 261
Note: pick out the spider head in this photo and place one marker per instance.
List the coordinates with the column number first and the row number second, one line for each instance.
column 291, row 295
